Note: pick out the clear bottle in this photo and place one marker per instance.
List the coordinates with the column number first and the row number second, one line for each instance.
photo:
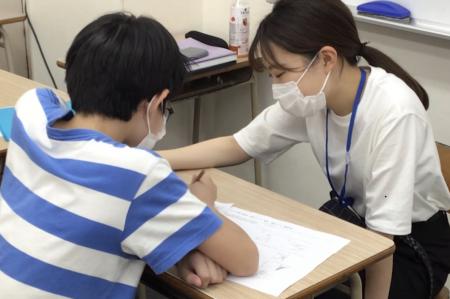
column 240, row 27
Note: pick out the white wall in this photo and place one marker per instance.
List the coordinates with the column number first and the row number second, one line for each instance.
column 56, row 23
column 177, row 16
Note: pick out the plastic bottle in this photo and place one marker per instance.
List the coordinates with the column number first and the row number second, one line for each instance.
column 240, row 27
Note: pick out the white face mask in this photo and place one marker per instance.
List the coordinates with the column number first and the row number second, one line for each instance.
column 151, row 139
column 293, row 101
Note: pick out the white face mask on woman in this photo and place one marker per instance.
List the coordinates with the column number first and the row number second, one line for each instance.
column 293, row 101
column 150, row 140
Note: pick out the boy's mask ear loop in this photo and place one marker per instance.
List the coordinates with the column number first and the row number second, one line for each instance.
column 150, row 140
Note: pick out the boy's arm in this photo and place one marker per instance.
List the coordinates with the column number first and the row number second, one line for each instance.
column 222, row 151
column 378, row 277
column 229, row 246
column 166, row 221
column 232, row 248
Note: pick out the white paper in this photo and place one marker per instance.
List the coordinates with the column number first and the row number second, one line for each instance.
column 287, row 251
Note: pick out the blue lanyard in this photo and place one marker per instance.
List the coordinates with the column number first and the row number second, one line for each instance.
column 346, row 201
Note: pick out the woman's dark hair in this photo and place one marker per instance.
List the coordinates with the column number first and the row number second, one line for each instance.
column 119, row 60
column 305, row 26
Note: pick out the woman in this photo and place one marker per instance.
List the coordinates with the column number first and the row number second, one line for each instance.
column 367, row 127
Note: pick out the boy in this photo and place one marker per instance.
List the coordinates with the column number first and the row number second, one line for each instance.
column 82, row 210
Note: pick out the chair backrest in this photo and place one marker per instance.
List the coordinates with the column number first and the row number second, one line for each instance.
column 444, row 156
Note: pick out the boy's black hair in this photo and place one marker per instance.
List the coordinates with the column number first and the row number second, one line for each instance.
column 119, row 60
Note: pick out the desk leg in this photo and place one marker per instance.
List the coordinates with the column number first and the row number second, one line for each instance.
column 356, row 286
column 196, row 128
column 7, row 46
column 254, row 103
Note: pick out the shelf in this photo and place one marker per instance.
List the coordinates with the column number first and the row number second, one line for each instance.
column 423, row 28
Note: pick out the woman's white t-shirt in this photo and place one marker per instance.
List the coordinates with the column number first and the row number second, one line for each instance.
column 394, row 173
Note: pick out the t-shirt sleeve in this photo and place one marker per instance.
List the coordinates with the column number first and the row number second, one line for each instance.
column 271, row 133
column 390, row 179
column 165, row 220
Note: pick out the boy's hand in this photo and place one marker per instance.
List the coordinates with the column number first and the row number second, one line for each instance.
column 204, row 188
column 200, row 271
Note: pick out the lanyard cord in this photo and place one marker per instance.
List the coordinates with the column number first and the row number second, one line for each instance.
column 345, row 201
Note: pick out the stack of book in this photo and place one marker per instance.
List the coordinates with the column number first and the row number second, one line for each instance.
column 205, row 56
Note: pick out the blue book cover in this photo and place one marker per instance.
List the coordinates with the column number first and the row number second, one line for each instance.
column 6, row 119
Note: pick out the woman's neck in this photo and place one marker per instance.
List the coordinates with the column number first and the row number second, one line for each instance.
column 342, row 95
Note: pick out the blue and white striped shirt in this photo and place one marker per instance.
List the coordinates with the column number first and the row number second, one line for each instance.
column 81, row 214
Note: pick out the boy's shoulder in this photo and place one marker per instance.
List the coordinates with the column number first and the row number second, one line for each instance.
column 121, row 156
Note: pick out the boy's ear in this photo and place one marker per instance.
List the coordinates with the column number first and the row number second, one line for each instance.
column 160, row 97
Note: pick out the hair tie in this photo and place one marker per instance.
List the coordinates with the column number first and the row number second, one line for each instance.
column 361, row 48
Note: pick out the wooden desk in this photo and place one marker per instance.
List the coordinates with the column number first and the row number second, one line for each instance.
column 364, row 249
column 11, row 88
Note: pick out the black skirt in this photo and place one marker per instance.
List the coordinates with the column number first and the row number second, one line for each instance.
column 410, row 277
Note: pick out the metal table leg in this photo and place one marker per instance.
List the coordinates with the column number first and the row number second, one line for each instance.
column 196, row 128
column 254, row 107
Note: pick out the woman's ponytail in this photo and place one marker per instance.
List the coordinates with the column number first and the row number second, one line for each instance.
column 377, row 58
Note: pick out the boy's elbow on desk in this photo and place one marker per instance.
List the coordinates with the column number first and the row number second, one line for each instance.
column 250, row 263
column 233, row 250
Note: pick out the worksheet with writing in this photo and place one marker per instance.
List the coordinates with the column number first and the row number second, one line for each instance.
column 287, row 251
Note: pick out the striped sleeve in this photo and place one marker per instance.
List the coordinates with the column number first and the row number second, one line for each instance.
column 165, row 221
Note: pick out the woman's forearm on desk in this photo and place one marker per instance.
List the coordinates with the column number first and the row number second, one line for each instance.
column 222, row 151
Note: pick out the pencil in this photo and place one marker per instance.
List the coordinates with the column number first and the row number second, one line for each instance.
column 199, row 176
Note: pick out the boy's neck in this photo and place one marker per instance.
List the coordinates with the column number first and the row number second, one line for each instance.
column 115, row 129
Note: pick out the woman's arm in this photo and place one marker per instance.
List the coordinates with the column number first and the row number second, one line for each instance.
column 222, row 151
